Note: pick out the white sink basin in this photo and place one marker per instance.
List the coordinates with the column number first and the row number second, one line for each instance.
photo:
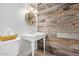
column 33, row 36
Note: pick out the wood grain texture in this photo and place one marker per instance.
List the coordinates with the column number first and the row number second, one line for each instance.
column 41, row 53
column 64, row 20
column 59, row 18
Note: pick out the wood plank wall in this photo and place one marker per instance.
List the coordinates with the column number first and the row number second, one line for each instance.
column 64, row 18
column 59, row 18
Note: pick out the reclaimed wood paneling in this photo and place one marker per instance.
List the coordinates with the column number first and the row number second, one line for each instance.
column 59, row 18
column 66, row 18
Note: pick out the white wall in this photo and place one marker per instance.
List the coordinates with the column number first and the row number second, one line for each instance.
column 13, row 15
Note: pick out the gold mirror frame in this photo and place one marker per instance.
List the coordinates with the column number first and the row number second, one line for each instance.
column 30, row 18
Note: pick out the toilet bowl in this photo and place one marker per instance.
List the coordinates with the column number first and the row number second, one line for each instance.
column 10, row 48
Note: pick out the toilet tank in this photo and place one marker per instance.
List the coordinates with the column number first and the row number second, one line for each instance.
column 10, row 48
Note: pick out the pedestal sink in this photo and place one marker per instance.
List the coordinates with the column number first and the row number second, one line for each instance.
column 33, row 37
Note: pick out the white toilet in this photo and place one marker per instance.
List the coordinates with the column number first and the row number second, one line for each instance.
column 10, row 48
